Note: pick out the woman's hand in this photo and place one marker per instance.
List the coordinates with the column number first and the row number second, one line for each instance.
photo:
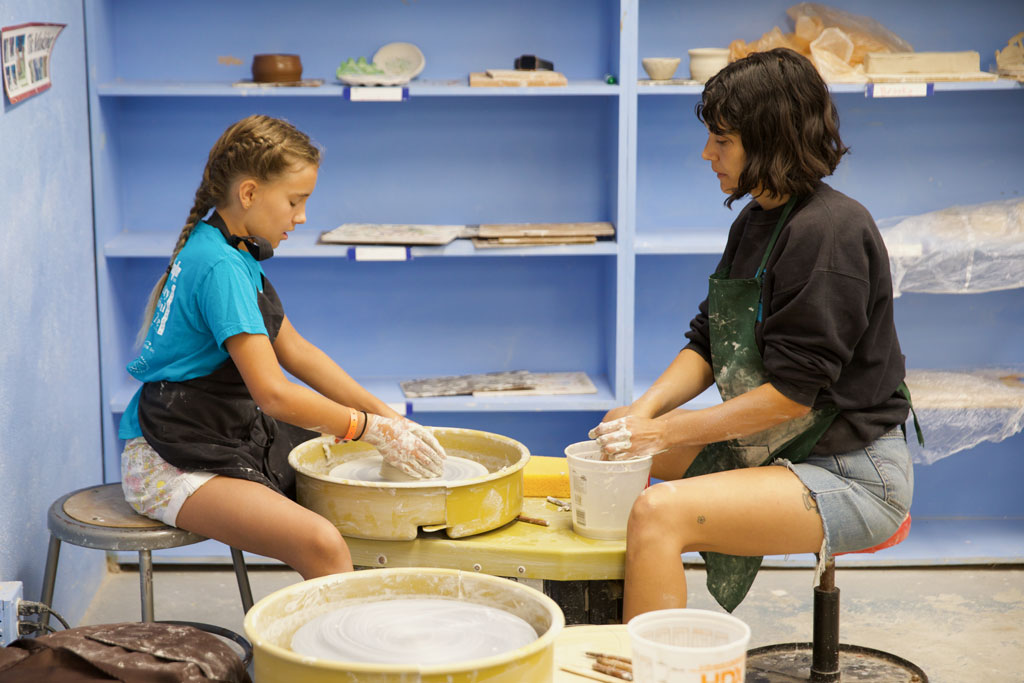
column 629, row 437
column 405, row 445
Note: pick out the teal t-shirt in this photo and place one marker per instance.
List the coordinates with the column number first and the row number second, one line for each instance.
column 210, row 295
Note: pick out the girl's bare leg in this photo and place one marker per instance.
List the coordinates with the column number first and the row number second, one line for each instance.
column 756, row 511
column 249, row 516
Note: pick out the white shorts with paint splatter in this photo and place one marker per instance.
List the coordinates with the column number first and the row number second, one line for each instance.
column 154, row 487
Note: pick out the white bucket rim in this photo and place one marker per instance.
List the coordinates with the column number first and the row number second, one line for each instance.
column 648, row 618
column 644, row 460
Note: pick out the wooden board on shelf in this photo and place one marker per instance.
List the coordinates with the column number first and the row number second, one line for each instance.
column 550, row 384
column 595, row 228
column 490, row 243
column 392, row 233
column 465, row 385
column 932, row 77
column 510, row 78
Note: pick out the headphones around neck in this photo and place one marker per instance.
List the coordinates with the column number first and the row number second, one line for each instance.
column 258, row 247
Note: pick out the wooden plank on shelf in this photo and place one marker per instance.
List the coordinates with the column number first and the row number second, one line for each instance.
column 593, row 228
column 465, row 385
column 392, row 233
column 967, row 61
column 483, row 243
column 550, row 384
column 509, row 78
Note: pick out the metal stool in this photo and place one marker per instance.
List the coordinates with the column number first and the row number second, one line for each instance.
column 825, row 659
column 98, row 517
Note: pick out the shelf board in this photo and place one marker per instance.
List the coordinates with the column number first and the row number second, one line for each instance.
column 681, row 241
column 428, row 88
column 846, row 88
column 303, row 244
column 388, row 390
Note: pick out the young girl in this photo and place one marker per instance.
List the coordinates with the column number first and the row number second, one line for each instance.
column 798, row 334
column 209, row 432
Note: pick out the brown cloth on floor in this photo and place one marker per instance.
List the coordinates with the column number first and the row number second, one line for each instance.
column 129, row 652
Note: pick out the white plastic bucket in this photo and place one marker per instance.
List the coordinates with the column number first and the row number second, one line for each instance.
column 688, row 646
column 603, row 491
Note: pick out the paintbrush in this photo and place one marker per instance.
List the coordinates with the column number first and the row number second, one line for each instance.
column 533, row 520
column 562, row 505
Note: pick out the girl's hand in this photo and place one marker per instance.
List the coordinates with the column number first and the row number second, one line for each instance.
column 405, row 445
column 629, row 437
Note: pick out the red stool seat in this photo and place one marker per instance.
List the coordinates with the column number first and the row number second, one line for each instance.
column 898, row 537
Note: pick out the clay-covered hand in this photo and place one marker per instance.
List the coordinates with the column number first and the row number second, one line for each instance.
column 405, row 445
column 629, row 437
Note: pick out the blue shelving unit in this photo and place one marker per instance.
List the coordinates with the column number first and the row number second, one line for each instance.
column 162, row 89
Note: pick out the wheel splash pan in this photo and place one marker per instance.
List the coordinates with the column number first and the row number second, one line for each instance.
column 272, row 622
column 395, row 511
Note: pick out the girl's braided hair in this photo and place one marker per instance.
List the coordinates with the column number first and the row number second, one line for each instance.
column 259, row 147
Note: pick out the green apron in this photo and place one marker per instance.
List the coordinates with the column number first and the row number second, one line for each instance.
column 734, row 306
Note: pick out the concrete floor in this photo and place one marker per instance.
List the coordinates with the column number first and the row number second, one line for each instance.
column 960, row 625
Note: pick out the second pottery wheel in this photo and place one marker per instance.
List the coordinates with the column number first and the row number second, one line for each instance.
column 396, row 511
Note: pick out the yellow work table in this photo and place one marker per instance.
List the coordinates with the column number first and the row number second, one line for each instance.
column 583, row 575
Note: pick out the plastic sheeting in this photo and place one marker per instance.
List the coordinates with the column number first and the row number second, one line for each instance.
column 958, row 250
column 959, row 410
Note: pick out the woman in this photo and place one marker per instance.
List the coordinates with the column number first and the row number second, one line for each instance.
column 798, row 334
column 209, row 432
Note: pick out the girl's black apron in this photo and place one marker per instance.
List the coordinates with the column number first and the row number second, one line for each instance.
column 211, row 423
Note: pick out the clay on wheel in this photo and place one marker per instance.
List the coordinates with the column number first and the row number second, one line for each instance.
column 391, row 473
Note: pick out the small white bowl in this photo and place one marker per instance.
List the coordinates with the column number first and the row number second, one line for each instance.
column 705, row 62
column 660, row 68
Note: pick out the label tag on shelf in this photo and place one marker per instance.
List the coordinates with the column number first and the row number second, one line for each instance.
column 899, row 89
column 379, row 254
column 401, row 407
column 376, row 93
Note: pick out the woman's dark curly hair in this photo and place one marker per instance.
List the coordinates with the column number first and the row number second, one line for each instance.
column 781, row 109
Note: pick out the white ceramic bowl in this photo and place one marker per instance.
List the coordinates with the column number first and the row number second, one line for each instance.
column 660, row 68
column 400, row 59
column 705, row 62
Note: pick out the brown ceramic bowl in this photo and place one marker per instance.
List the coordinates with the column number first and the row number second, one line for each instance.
column 276, row 68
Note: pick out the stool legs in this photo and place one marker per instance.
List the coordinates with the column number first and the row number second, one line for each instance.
column 825, row 652
column 49, row 578
column 146, row 583
column 242, row 576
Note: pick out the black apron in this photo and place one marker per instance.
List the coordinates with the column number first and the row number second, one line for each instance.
column 211, row 423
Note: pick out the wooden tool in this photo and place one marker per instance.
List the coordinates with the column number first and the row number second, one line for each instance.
column 533, row 520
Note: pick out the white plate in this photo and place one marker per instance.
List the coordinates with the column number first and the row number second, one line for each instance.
column 373, row 79
column 401, row 63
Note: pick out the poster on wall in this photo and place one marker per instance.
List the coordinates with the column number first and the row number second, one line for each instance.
column 26, row 58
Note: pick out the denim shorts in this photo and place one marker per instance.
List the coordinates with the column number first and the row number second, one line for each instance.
column 862, row 496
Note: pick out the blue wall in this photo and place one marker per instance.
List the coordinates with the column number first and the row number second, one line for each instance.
column 49, row 359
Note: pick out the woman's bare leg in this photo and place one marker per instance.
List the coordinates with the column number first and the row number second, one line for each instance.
column 249, row 516
column 756, row 511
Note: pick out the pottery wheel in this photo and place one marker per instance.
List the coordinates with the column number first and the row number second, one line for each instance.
column 368, row 469
column 412, row 631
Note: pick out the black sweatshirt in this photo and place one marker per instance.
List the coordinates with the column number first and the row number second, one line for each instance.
column 828, row 335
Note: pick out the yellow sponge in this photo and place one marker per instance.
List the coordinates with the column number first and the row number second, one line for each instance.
column 546, row 476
